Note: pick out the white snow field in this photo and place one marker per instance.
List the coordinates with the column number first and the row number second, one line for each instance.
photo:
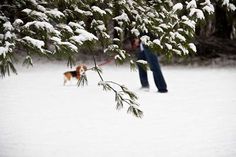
column 39, row 117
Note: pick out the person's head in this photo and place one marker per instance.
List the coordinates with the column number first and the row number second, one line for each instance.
column 135, row 42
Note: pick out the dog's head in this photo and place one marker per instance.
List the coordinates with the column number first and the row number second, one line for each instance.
column 81, row 69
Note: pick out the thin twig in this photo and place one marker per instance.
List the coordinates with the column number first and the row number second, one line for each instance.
column 94, row 60
column 95, row 63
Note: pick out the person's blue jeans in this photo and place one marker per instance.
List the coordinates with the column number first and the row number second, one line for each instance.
column 153, row 62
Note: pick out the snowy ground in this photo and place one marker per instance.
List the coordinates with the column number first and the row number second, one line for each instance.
column 39, row 117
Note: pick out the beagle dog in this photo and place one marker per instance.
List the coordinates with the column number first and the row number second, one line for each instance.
column 80, row 70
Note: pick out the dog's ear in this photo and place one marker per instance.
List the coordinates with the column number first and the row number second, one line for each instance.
column 78, row 68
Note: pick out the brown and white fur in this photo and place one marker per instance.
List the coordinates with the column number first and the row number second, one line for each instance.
column 80, row 70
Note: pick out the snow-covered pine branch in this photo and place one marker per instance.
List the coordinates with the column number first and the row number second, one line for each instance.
column 38, row 44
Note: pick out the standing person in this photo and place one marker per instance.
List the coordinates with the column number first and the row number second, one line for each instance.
column 144, row 53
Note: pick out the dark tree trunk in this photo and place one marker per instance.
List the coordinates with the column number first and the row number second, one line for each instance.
column 214, row 39
column 223, row 24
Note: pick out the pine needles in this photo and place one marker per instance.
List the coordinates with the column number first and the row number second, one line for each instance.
column 123, row 96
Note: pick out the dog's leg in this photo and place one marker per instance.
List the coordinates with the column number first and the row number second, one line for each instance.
column 65, row 80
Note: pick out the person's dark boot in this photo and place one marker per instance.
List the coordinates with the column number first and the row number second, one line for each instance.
column 163, row 91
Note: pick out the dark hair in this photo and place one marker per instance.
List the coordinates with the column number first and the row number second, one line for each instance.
column 132, row 39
